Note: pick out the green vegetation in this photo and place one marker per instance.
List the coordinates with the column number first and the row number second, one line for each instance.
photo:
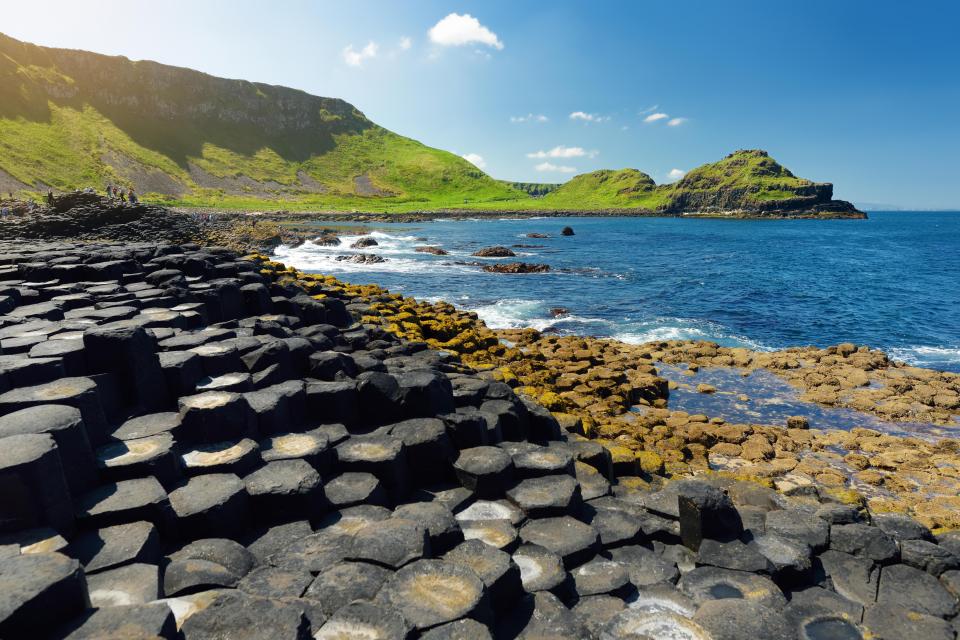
column 72, row 119
column 606, row 189
column 752, row 170
column 535, row 189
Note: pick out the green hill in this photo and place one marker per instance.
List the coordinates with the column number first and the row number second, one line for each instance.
column 746, row 181
column 72, row 119
column 623, row 188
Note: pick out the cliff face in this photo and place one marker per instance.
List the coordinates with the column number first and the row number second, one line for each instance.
column 70, row 119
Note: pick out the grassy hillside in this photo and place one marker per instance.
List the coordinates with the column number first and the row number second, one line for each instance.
column 754, row 170
column 72, row 119
column 624, row 188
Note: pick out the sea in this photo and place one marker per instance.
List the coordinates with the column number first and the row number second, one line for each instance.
column 891, row 281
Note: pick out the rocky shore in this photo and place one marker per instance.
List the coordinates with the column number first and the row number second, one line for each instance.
column 198, row 443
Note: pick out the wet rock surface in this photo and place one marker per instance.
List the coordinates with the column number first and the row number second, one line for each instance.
column 230, row 451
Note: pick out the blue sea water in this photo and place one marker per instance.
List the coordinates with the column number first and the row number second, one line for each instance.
column 892, row 281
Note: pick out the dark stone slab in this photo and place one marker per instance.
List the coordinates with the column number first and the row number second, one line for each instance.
column 891, row 622
column 729, row 619
column 273, row 582
column 365, row 620
column 429, row 593
column 38, row 591
column 706, row 512
column 864, row 541
column 33, row 488
column 645, row 566
column 117, row 545
column 346, row 582
column 486, row 471
column 915, row 590
column 80, row 393
column 234, row 614
column 853, row 578
column 154, row 620
column 210, row 505
column 392, row 543
column 284, row 490
column 500, row 574
column 136, row 583
column 713, row 583
column 574, row 541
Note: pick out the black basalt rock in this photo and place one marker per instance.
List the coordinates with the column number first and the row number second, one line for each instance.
column 706, row 512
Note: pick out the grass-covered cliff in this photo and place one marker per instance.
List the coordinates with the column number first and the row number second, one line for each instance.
column 747, row 181
column 71, row 119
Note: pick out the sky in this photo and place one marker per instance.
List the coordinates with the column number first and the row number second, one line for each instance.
column 864, row 94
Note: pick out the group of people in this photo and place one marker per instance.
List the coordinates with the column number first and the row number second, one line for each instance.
column 113, row 191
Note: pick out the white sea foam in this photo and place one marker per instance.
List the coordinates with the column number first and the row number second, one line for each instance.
column 521, row 314
column 666, row 328
column 926, row 356
column 399, row 251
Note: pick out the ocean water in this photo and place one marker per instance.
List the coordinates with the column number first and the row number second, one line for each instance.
column 892, row 281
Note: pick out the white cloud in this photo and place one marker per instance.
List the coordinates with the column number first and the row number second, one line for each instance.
column 405, row 43
column 456, row 30
column 530, row 117
column 649, row 110
column 588, row 117
column 676, row 174
column 549, row 166
column 676, row 122
column 563, row 152
column 653, row 117
column 356, row 58
column 476, row 159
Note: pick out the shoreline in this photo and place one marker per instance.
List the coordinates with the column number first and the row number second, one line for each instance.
column 602, row 405
column 593, row 384
column 326, row 216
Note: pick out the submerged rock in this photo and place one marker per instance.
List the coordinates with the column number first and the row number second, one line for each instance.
column 362, row 258
column 516, row 267
column 437, row 251
column 494, row 252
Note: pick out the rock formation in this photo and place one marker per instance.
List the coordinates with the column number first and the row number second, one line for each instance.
column 194, row 445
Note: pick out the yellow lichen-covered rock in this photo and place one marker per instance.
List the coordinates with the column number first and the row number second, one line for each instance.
column 552, row 401
column 845, row 495
column 650, row 463
column 593, row 386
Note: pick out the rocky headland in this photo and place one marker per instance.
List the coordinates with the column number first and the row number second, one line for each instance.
column 201, row 443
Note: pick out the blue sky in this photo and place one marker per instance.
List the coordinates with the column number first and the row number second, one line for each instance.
column 863, row 94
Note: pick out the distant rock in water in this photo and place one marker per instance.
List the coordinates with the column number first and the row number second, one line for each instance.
column 362, row 258
column 516, row 267
column 437, row 251
column 327, row 240
column 538, row 235
column 567, row 231
column 494, row 252
column 364, row 242
column 559, row 312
